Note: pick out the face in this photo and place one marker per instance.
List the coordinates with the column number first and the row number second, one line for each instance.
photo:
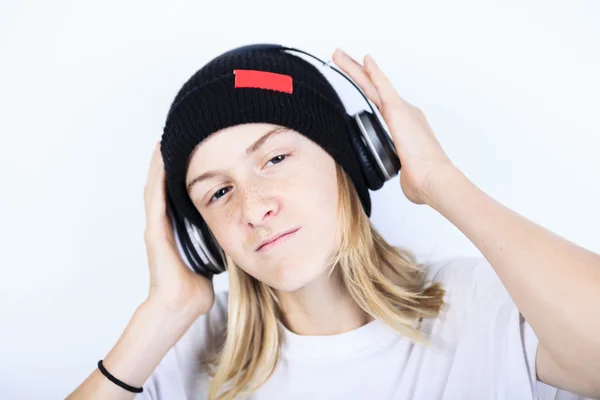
column 253, row 183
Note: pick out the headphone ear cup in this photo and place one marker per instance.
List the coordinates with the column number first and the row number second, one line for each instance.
column 217, row 264
column 371, row 173
column 183, row 241
column 379, row 145
column 197, row 252
column 204, row 245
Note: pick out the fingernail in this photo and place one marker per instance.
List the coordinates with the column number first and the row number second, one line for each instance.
column 340, row 52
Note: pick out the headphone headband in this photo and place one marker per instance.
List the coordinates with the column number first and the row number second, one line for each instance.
column 279, row 47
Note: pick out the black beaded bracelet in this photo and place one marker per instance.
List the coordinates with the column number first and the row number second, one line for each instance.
column 116, row 381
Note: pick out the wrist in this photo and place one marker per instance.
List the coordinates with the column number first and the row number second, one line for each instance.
column 440, row 183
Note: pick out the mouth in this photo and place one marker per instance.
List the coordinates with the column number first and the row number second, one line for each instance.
column 275, row 240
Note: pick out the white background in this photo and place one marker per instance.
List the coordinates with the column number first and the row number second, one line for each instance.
column 511, row 90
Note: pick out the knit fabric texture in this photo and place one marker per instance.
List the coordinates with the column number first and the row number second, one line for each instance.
column 210, row 101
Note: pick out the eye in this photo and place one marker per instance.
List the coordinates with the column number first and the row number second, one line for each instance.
column 219, row 193
column 223, row 191
column 277, row 159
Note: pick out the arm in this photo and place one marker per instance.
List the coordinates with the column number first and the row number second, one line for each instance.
column 177, row 297
column 554, row 283
column 151, row 332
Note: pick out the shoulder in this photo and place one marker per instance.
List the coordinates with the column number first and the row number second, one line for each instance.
column 209, row 328
column 472, row 287
column 469, row 275
column 449, row 268
column 488, row 335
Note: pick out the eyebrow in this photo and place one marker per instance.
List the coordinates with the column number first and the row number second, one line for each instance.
column 254, row 147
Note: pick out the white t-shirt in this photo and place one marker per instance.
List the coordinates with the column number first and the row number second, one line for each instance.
column 482, row 349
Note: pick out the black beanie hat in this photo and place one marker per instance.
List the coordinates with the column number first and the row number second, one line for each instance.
column 256, row 86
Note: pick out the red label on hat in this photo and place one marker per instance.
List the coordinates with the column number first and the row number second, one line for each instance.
column 245, row 78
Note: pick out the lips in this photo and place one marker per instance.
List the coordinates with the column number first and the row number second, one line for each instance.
column 276, row 239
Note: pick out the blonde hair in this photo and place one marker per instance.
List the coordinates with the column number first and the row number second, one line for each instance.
column 384, row 280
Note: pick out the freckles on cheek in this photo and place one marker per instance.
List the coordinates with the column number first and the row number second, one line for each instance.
column 224, row 230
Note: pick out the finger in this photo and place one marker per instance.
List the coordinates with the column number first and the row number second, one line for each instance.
column 157, row 155
column 153, row 178
column 386, row 91
column 159, row 183
column 157, row 223
column 152, row 164
column 347, row 56
column 358, row 75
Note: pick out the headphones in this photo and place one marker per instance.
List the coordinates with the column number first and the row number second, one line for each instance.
column 370, row 139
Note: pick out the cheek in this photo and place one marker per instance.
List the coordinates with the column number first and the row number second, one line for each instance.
column 312, row 201
column 222, row 227
column 321, row 190
column 325, row 209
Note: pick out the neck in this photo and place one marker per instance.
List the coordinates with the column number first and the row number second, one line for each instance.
column 322, row 307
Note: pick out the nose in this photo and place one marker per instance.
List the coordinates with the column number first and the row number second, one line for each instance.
column 258, row 205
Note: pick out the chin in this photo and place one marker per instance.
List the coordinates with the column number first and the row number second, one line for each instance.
column 287, row 287
column 292, row 277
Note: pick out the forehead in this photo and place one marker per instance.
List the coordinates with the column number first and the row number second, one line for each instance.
column 234, row 142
